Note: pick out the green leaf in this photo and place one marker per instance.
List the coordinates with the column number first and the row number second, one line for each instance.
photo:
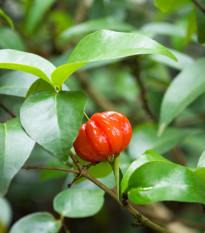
column 7, row 18
column 79, row 203
column 156, row 179
column 168, row 5
column 145, row 137
column 16, row 83
column 36, row 13
column 201, row 162
column 5, row 215
column 93, row 25
column 105, row 44
column 39, row 85
column 184, row 89
column 201, row 174
column 38, row 222
column 53, row 120
column 15, row 148
column 28, row 62
column 10, row 39
column 200, row 18
column 192, row 26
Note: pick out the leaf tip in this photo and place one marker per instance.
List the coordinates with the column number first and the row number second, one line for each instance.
column 161, row 129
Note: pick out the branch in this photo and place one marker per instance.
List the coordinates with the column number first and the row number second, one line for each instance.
column 7, row 110
column 135, row 68
column 28, row 167
column 202, row 8
column 141, row 220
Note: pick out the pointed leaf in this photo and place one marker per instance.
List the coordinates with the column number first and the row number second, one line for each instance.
column 161, row 180
column 28, row 62
column 79, row 203
column 38, row 222
column 184, row 89
column 16, row 83
column 15, row 148
column 105, row 44
column 8, row 19
column 53, row 120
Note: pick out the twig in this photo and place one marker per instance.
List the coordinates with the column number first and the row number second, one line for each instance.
column 142, row 220
column 28, row 167
column 100, row 100
column 77, row 163
column 74, row 180
column 7, row 110
column 91, row 164
column 202, row 8
column 135, row 68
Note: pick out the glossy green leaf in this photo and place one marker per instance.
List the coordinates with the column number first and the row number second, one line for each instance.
column 36, row 223
column 5, row 215
column 145, row 137
column 105, row 44
column 7, row 18
column 39, row 85
column 36, row 13
column 201, row 174
column 53, row 120
column 160, row 180
column 93, row 25
column 200, row 18
column 79, row 203
column 10, row 39
column 28, row 62
column 15, row 148
column 16, row 83
column 185, row 88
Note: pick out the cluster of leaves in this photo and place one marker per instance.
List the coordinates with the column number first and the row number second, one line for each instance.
column 51, row 115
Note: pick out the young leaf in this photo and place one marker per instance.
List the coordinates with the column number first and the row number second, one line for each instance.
column 38, row 222
column 28, row 62
column 16, row 83
column 79, row 203
column 10, row 39
column 185, row 88
column 145, row 137
column 15, row 148
column 36, row 13
column 105, row 44
column 93, row 25
column 160, row 180
column 53, row 120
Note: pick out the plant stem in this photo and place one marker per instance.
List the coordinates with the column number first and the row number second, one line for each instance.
column 28, row 167
column 202, row 8
column 142, row 220
column 86, row 116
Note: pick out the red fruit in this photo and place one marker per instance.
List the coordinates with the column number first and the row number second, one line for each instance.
column 104, row 134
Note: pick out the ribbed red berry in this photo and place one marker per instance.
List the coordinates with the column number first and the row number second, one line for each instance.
column 104, row 134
